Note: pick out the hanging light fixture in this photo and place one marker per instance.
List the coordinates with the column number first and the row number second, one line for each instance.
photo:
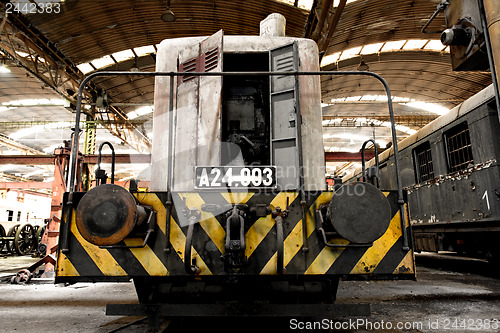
column 168, row 15
column 363, row 66
column 134, row 67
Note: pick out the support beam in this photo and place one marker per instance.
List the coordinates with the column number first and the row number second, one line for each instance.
column 60, row 74
column 25, row 185
column 89, row 159
column 8, row 142
column 146, row 158
column 324, row 42
column 347, row 157
column 119, row 158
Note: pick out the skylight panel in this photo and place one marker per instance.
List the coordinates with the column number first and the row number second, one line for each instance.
column 22, row 54
column 85, row 68
column 307, row 4
column 132, row 115
column 336, row 2
column 391, row 46
column 371, row 48
column 430, row 107
column 397, row 99
column 434, row 45
column 103, row 62
column 412, row 44
column 368, row 97
column 339, row 99
column 144, row 110
column 415, row 44
column 123, row 55
column 350, row 53
column 144, row 50
column 330, row 59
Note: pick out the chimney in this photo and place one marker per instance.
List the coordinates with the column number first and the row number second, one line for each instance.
column 273, row 26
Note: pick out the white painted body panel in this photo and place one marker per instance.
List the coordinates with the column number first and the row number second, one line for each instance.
column 186, row 143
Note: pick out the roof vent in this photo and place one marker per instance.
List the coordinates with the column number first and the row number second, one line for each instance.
column 273, row 26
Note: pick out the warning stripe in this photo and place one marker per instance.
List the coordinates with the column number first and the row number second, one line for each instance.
column 152, row 200
column 128, row 261
column 65, row 267
column 178, row 241
column 294, row 240
column 261, row 228
column 384, row 257
column 326, row 258
column 406, row 265
column 393, row 259
column 80, row 259
column 147, row 258
column 294, row 259
column 208, row 221
column 102, row 258
column 361, row 260
column 373, row 255
column 237, row 197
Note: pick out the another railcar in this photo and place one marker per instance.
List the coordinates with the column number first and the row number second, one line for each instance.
column 238, row 217
column 451, row 171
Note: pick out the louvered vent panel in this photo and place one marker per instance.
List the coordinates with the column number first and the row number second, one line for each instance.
column 211, row 59
column 187, row 66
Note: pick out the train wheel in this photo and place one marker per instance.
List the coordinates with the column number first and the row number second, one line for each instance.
column 12, row 233
column 25, row 239
column 22, row 277
column 2, row 234
column 39, row 234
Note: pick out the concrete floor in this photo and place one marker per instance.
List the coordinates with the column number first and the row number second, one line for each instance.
column 448, row 296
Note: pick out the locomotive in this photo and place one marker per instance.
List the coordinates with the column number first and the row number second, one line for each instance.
column 237, row 220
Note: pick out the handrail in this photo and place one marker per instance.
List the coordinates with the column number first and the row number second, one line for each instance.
column 363, row 162
column 74, row 144
column 99, row 155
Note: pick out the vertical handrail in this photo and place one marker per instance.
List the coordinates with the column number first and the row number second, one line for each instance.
column 363, row 168
column 99, row 155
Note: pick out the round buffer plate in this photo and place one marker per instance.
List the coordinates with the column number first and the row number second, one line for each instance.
column 106, row 214
column 360, row 212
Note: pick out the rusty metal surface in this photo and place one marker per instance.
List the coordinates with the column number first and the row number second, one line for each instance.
column 106, row 214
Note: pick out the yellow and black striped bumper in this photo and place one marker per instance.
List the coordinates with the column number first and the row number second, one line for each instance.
column 87, row 262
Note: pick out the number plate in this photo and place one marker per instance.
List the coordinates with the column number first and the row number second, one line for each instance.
column 235, row 177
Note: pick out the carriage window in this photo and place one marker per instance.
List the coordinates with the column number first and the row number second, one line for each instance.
column 18, row 216
column 422, row 158
column 10, row 216
column 458, row 148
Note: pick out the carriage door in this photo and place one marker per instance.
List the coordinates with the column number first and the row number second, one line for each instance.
column 284, row 110
column 198, row 106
